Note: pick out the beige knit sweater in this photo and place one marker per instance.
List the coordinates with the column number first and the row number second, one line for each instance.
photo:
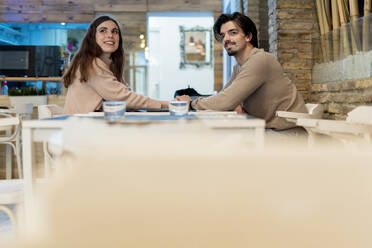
column 102, row 85
column 261, row 87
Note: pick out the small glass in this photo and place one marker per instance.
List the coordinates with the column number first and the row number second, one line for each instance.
column 178, row 108
column 114, row 110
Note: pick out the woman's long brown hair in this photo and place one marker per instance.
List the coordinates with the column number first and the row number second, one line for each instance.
column 89, row 50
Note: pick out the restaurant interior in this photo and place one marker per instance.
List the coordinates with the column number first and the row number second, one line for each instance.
column 182, row 176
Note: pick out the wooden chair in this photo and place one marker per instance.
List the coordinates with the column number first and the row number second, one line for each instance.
column 49, row 110
column 356, row 129
column 315, row 111
column 10, row 127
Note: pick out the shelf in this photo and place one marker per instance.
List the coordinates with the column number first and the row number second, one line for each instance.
column 32, row 79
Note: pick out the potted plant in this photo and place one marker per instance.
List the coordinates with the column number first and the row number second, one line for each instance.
column 27, row 95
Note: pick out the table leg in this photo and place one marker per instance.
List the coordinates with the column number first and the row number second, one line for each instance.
column 310, row 138
column 27, row 175
column 46, row 160
column 260, row 138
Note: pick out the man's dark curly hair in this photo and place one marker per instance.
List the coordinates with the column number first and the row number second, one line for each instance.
column 244, row 22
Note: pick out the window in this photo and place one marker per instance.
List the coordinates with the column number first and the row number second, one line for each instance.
column 138, row 72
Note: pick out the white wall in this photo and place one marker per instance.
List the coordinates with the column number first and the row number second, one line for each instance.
column 164, row 74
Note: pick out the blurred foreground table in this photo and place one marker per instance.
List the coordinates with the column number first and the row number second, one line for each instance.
column 79, row 132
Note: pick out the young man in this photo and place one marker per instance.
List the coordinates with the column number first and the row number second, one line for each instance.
column 258, row 85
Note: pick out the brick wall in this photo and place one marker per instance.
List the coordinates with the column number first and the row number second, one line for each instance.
column 292, row 25
column 258, row 12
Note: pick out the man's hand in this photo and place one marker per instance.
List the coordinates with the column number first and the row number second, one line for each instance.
column 239, row 109
column 182, row 98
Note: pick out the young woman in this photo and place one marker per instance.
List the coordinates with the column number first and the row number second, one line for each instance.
column 96, row 72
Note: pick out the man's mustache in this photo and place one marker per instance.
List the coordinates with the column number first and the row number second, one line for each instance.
column 229, row 42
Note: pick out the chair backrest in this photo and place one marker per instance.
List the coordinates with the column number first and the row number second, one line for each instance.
column 9, row 122
column 50, row 110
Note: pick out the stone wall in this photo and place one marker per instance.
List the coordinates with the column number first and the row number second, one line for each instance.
column 338, row 98
column 292, row 25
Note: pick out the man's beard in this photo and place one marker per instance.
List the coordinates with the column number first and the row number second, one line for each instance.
column 231, row 53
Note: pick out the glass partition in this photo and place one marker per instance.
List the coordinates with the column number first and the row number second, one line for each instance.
column 344, row 53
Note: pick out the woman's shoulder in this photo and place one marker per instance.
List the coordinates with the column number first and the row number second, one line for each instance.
column 98, row 62
column 99, row 66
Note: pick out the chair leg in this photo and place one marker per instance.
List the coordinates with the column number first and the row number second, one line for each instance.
column 8, row 161
column 16, row 153
column 19, row 217
column 19, row 166
column 18, row 157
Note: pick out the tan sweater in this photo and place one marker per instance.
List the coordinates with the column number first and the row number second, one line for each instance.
column 262, row 88
column 102, row 85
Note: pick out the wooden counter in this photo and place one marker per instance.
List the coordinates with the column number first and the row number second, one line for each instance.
column 32, row 79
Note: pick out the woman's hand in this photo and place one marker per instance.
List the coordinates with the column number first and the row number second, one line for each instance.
column 182, row 98
column 239, row 109
column 164, row 104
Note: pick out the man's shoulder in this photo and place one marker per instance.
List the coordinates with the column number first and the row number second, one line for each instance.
column 257, row 56
column 260, row 56
column 260, row 52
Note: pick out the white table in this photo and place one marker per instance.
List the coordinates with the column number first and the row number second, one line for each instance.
column 34, row 131
column 44, row 130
